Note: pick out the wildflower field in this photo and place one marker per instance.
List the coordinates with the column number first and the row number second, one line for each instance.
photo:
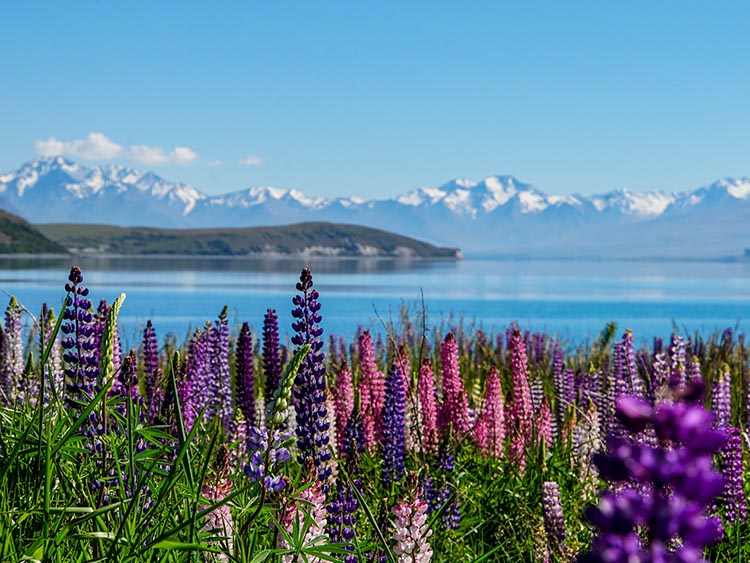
column 407, row 446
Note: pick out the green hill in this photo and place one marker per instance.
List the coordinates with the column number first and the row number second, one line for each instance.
column 314, row 239
column 19, row 237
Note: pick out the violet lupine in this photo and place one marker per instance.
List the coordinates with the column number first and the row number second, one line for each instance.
column 310, row 384
column 558, row 382
column 455, row 403
column 271, row 357
column 410, row 531
column 198, row 372
column 554, row 521
column 491, row 422
column 306, row 513
column 721, row 398
column 11, row 371
column 151, row 372
column 671, row 485
column 219, row 520
column 245, row 380
column 659, row 376
column 428, row 407
column 693, row 370
column 186, row 395
column 222, row 405
column 372, row 389
column 733, row 499
column 393, row 443
column 343, row 402
column 537, row 394
column 81, row 365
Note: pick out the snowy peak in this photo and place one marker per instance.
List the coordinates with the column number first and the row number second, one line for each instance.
column 625, row 202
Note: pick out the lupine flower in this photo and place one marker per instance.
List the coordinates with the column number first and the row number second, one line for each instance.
column 11, row 371
column 245, row 374
column 455, row 404
column 520, row 419
column 587, row 441
column 721, row 398
column 678, row 363
column 675, row 482
column 372, row 389
column 733, row 499
column 54, row 368
column 310, row 385
column 491, row 421
column 197, row 373
column 271, row 358
column 554, row 522
column 393, row 449
column 151, row 372
column 81, row 365
column 307, row 513
column 219, row 361
column 410, row 531
column 628, row 363
column 543, row 423
column 343, row 402
column 428, row 407
column 438, row 487
column 220, row 519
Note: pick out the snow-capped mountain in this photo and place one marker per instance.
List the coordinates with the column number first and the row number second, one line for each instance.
column 499, row 214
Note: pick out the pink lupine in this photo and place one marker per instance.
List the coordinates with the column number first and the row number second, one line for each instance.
column 372, row 388
column 220, row 519
column 410, row 532
column 455, row 404
column 544, row 423
column 521, row 410
column 490, row 428
column 306, row 512
column 343, row 402
column 428, row 407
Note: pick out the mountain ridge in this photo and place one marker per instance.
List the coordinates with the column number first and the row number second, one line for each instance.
column 499, row 213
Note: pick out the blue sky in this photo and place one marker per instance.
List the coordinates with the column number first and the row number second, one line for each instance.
column 374, row 99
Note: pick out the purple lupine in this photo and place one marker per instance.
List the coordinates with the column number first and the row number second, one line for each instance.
column 310, row 384
column 721, row 397
column 372, row 389
column 185, row 393
column 455, row 404
column 659, row 376
column 343, row 403
column 671, row 484
column 197, row 373
column 245, row 379
column 221, row 377
column 271, row 357
column 537, row 394
column 11, row 371
column 428, row 406
column 733, row 499
column 693, row 370
column 437, row 488
column 554, row 522
column 151, row 372
column 558, row 381
column 81, row 367
column 393, row 444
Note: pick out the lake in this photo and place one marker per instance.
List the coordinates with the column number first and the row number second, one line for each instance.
column 571, row 299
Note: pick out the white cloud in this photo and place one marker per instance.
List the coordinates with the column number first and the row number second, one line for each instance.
column 253, row 160
column 183, row 155
column 143, row 154
column 97, row 146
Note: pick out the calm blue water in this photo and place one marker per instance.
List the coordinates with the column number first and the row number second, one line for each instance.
column 571, row 299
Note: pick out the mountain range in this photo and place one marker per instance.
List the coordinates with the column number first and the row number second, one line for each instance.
column 499, row 215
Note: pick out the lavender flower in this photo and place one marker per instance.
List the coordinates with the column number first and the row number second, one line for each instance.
column 733, row 499
column 721, row 398
column 410, row 531
column 11, row 370
column 554, row 522
column 394, row 440
column 221, row 382
column 310, row 385
column 151, row 372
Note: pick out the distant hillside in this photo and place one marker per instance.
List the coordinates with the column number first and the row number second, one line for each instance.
column 314, row 239
column 19, row 237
